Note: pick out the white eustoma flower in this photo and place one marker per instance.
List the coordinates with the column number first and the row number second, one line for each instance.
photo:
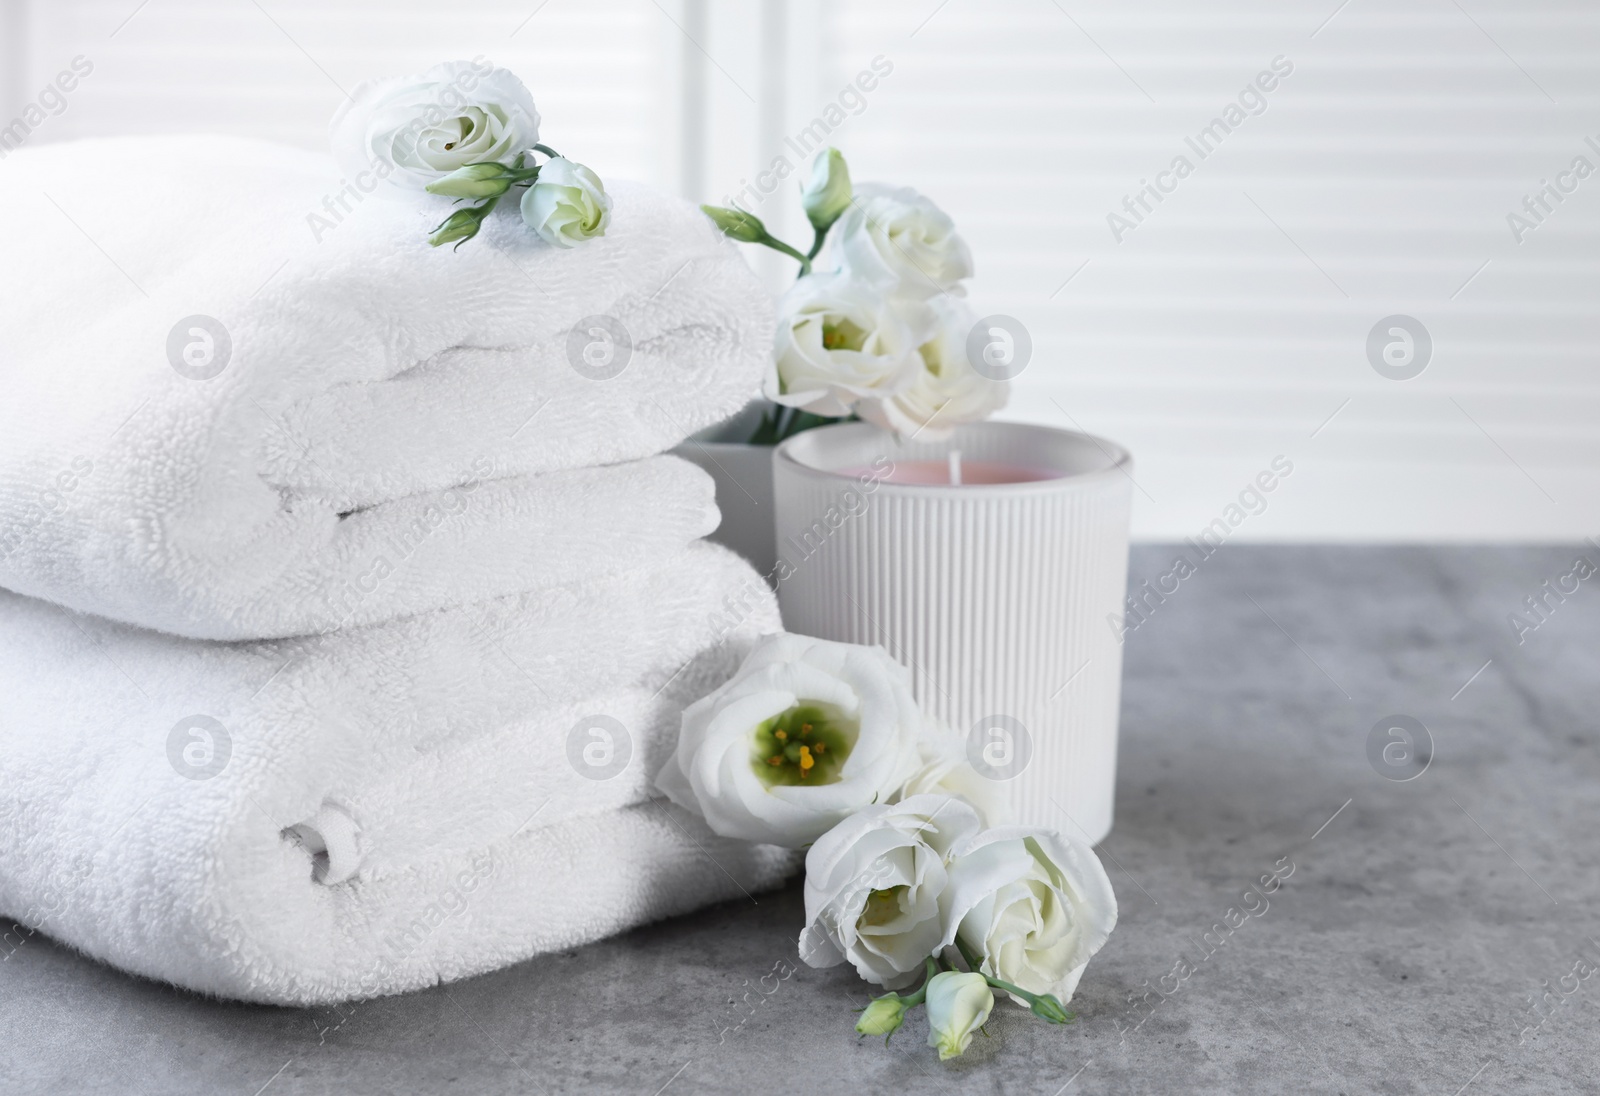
column 841, row 341
column 873, row 884
column 567, row 204
column 959, row 1002
column 806, row 733
column 945, row 770
column 946, row 390
column 1033, row 905
column 415, row 129
column 899, row 241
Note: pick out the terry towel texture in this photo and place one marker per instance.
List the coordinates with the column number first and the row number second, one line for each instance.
column 410, row 555
column 358, row 365
column 378, row 809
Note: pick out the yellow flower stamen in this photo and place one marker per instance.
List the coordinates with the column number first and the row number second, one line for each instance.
column 806, row 743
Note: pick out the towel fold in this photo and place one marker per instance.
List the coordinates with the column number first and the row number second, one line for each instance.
column 265, row 820
column 277, row 938
column 313, row 570
column 256, row 347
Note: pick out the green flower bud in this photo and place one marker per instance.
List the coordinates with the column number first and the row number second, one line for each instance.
column 460, row 226
column 736, row 224
column 473, row 181
column 827, row 194
column 1047, row 1007
column 883, row 1016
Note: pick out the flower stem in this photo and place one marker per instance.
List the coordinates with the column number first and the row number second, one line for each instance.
column 816, row 244
column 778, row 245
column 548, row 151
column 1046, row 1006
column 914, row 999
column 1043, row 1005
column 1009, row 988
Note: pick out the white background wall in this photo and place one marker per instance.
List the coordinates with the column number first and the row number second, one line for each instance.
column 1228, row 328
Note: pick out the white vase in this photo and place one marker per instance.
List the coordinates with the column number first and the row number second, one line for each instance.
column 999, row 598
column 743, row 474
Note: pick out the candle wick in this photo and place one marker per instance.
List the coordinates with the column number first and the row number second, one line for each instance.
column 955, row 468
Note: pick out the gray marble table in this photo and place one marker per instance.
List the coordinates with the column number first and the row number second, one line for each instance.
column 1419, row 945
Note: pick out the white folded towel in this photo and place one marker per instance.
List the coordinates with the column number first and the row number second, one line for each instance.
column 314, row 570
column 358, row 366
column 266, row 820
column 277, row 939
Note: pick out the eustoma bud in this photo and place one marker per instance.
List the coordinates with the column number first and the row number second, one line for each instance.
column 460, row 226
column 567, row 204
column 958, row 1004
column 473, row 181
column 1047, row 1007
column 883, row 1016
column 827, row 194
column 736, row 224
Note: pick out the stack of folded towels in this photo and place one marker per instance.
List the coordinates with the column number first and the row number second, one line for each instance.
column 345, row 670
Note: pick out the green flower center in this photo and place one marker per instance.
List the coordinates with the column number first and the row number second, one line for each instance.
column 842, row 334
column 806, row 744
column 882, row 906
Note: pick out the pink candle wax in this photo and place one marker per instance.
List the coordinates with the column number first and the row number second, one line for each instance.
column 937, row 473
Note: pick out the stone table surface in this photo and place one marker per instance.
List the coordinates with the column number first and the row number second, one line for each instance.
column 1425, row 941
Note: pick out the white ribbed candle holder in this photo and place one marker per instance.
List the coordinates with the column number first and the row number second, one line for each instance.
column 997, row 597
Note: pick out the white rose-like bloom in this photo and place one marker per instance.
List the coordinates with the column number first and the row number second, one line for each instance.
column 840, row 341
column 873, row 884
column 898, row 240
column 1032, row 904
column 945, row 770
column 946, row 391
column 959, row 1002
column 415, row 129
column 806, row 733
column 567, row 204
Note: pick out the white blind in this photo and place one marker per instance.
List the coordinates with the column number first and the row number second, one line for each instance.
column 275, row 69
column 1228, row 324
column 1222, row 330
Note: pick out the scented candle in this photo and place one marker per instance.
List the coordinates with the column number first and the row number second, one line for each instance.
column 991, row 564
